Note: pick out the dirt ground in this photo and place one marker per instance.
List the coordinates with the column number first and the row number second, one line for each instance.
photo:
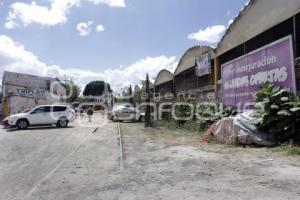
column 80, row 164
column 166, row 164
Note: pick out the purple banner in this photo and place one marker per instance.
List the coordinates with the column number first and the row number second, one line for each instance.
column 243, row 77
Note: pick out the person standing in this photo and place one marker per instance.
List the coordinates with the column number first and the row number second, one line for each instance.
column 90, row 113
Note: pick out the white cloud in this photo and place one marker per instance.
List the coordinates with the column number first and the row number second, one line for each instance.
column 211, row 34
column 24, row 14
column 112, row 3
column 84, row 28
column 14, row 57
column 133, row 74
column 100, row 28
column 247, row 2
column 230, row 22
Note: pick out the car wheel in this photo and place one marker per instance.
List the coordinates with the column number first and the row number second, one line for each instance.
column 62, row 122
column 22, row 124
column 114, row 119
column 142, row 119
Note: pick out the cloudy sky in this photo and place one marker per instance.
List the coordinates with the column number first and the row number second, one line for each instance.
column 113, row 40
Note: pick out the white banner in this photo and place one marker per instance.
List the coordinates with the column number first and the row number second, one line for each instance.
column 203, row 65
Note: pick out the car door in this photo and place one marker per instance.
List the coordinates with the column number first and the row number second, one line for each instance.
column 59, row 112
column 39, row 116
column 127, row 113
column 121, row 113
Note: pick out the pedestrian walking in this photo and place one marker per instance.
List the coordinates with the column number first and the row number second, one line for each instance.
column 90, row 113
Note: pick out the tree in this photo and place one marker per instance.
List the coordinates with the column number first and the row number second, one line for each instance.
column 96, row 88
column 137, row 99
column 72, row 90
column 130, row 94
column 148, row 108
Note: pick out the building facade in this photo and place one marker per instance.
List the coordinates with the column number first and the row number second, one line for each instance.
column 164, row 86
column 23, row 91
column 261, row 45
column 194, row 75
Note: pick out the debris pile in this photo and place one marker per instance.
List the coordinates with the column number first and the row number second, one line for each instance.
column 238, row 130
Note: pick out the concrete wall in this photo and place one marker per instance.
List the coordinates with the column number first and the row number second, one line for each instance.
column 22, row 92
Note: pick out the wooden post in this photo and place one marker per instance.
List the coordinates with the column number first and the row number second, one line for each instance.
column 216, row 74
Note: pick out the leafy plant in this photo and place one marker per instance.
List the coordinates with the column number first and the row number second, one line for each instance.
column 289, row 150
column 96, row 88
column 184, row 110
column 229, row 112
column 279, row 112
column 72, row 90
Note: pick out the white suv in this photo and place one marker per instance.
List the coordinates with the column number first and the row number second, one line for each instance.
column 43, row 115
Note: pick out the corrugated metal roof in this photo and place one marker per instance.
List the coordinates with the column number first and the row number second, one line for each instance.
column 254, row 18
column 235, row 20
column 137, row 88
column 150, row 86
column 163, row 77
column 187, row 61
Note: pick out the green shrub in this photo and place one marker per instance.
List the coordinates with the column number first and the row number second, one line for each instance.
column 204, row 115
column 229, row 112
column 184, row 111
column 279, row 111
column 289, row 150
column 293, row 151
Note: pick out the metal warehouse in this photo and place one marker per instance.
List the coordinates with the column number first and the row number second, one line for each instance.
column 261, row 45
column 163, row 84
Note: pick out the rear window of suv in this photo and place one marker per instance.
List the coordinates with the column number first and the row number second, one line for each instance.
column 59, row 108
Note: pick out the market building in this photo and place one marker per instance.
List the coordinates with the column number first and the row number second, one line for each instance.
column 23, row 91
column 194, row 75
column 151, row 87
column 163, row 85
column 136, row 89
column 261, row 45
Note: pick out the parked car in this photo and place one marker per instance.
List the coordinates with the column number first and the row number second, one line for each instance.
column 6, row 119
column 75, row 104
column 125, row 112
column 43, row 115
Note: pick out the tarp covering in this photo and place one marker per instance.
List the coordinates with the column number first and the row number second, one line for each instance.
column 240, row 130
